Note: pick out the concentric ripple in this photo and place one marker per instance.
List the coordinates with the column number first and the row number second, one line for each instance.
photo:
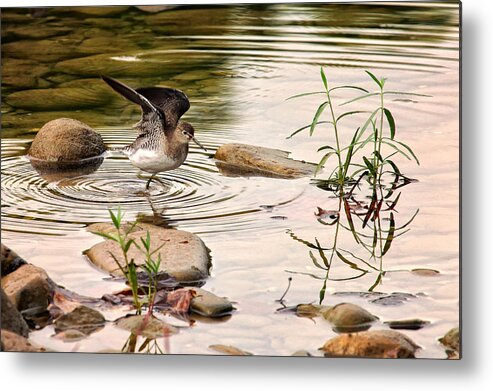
column 193, row 196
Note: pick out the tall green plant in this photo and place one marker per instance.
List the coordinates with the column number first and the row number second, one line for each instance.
column 129, row 267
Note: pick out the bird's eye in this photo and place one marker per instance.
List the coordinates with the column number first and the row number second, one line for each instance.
column 187, row 134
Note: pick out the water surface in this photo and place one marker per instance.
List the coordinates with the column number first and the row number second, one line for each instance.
column 237, row 64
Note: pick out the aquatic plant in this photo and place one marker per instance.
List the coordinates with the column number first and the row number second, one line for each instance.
column 378, row 130
column 129, row 268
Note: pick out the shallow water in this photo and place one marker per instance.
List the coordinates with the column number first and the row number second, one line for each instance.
column 238, row 65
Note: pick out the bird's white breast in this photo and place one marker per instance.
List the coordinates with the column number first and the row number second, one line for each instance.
column 153, row 161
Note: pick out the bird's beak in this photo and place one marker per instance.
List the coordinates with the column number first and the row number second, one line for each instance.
column 197, row 142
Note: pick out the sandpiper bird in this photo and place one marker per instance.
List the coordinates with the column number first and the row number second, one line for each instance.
column 162, row 142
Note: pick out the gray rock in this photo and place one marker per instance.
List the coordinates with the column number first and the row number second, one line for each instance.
column 12, row 342
column 66, row 140
column 375, row 344
column 347, row 318
column 10, row 318
column 9, row 260
column 250, row 160
column 29, row 288
column 208, row 304
column 83, row 319
column 183, row 254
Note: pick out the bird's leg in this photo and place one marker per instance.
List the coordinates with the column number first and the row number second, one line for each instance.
column 149, row 181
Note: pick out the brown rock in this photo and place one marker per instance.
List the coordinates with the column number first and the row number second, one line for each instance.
column 83, row 319
column 29, row 288
column 183, row 254
column 250, row 160
column 66, row 140
column 10, row 318
column 12, row 342
column 9, row 261
column 148, row 327
column 347, row 317
column 375, row 344
column 451, row 341
column 229, row 350
column 407, row 324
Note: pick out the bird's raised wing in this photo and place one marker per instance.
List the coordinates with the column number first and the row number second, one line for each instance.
column 173, row 103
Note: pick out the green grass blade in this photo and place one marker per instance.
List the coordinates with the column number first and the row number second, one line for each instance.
column 391, row 121
column 367, row 123
column 106, row 236
column 408, row 149
column 322, row 162
column 326, row 147
column 350, row 113
column 352, row 265
column 364, row 96
column 397, row 149
column 374, row 78
column 306, row 127
column 319, row 112
column 324, row 79
column 306, row 94
column 116, row 219
column 349, row 154
column 349, row 88
column 369, row 165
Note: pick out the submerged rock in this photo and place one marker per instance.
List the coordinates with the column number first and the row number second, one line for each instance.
column 148, row 327
column 83, row 319
column 451, row 341
column 183, row 254
column 9, row 260
column 29, row 288
column 12, row 342
column 11, row 319
column 407, row 324
column 250, row 160
column 229, row 350
column 375, row 344
column 208, row 304
column 347, row 318
column 66, row 140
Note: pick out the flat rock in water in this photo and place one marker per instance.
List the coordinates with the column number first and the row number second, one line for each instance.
column 407, row 324
column 183, row 254
column 301, row 353
column 29, row 288
column 347, row 318
column 229, row 350
column 375, row 344
column 83, row 319
column 11, row 319
column 208, row 304
column 66, row 140
column 451, row 341
column 250, row 160
column 12, row 342
column 310, row 310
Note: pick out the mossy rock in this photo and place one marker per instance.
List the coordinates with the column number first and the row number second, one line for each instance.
column 63, row 97
column 19, row 74
column 91, row 11
column 128, row 64
column 66, row 140
column 44, row 51
column 31, row 31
